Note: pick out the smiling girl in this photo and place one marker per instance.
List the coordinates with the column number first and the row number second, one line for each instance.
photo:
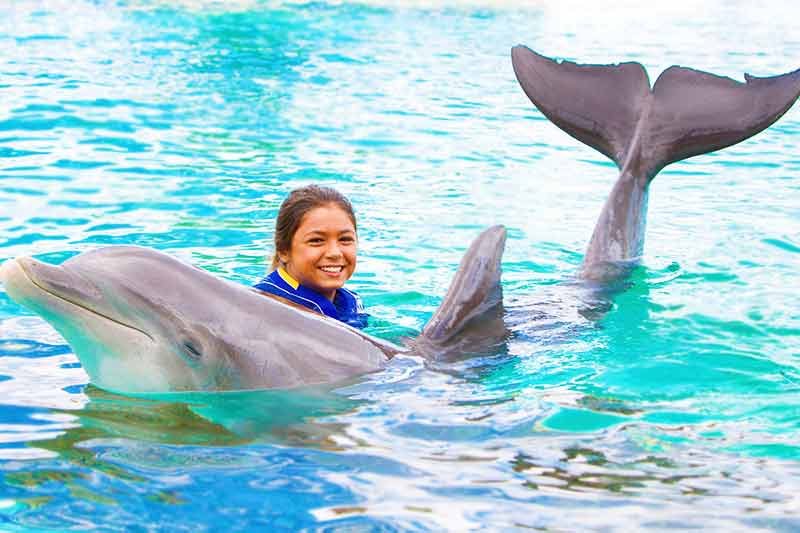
column 315, row 254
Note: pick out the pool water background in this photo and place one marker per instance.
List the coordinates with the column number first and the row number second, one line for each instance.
column 181, row 126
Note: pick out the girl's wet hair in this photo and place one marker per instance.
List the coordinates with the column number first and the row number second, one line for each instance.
column 296, row 205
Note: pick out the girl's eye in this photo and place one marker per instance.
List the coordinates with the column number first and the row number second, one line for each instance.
column 315, row 240
column 347, row 240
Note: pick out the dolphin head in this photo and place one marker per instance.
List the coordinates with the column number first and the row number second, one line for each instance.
column 134, row 317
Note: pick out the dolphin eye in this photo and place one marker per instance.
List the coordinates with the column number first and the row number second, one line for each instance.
column 191, row 350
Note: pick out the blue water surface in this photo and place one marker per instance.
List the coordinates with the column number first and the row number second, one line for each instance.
column 674, row 403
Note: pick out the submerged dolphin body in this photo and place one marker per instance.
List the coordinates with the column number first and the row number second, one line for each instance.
column 142, row 321
column 613, row 109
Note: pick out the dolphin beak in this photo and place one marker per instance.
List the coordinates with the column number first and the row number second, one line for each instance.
column 56, row 280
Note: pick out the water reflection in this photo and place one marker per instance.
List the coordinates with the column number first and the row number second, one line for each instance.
column 142, row 431
column 214, row 419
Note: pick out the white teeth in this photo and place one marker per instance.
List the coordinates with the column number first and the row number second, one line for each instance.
column 332, row 269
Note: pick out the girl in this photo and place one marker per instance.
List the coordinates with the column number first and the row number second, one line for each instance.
column 315, row 254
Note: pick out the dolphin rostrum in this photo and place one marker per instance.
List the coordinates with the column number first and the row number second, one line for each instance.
column 142, row 321
column 613, row 109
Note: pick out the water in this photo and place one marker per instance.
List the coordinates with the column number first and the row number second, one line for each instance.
column 182, row 125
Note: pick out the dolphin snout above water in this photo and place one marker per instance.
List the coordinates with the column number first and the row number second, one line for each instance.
column 57, row 280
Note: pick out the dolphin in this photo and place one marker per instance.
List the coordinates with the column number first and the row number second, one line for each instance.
column 613, row 109
column 142, row 321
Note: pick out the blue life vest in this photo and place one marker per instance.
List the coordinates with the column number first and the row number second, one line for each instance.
column 345, row 307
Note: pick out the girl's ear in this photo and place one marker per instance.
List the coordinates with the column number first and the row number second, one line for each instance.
column 284, row 257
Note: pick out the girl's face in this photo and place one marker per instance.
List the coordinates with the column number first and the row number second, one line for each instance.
column 323, row 252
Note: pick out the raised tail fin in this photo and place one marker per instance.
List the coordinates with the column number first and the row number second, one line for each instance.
column 688, row 112
column 475, row 289
column 612, row 109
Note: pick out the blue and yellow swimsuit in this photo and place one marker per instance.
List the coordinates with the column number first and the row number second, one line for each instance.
column 345, row 307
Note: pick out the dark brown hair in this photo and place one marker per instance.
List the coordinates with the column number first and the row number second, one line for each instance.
column 294, row 208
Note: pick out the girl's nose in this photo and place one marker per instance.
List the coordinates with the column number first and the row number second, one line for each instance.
column 333, row 250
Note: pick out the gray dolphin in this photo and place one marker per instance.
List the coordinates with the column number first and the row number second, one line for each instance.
column 142, row 321
column 613, row 109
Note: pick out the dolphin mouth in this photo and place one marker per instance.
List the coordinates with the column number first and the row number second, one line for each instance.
column 42, row 286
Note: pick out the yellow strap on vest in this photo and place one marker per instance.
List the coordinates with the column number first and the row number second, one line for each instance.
column 293, row 283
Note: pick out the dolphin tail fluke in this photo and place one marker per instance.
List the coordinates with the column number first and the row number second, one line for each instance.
column 612, row 109
column 474, row 291
column 688, row 112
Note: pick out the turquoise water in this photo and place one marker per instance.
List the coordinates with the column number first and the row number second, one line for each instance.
column 672, row 404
